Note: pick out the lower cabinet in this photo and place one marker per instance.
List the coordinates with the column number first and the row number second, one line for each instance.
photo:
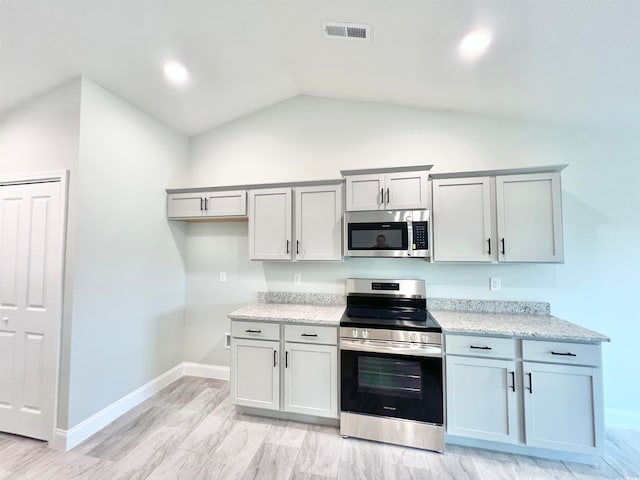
column 482, row 400
column 310, row 379
column 255, row 380
column 548, row 397
column 291, row 368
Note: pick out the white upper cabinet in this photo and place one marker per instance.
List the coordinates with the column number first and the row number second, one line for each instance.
column 318, row 223
column 231, row 203
column 529, row 215
column 385, row 189
column 498, row 218
column 462, row 220
column 270, row 224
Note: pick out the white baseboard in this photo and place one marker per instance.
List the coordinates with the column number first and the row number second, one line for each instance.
column 67, row 439
column 622, row 418
column 206, row 371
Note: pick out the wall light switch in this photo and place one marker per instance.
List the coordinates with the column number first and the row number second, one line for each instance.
column 222, row 277
column 495, row 283
column 297, row 278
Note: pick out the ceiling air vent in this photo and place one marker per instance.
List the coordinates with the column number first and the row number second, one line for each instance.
column 347, row 31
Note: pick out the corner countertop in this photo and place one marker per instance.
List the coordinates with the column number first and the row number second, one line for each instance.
column 536, row 327
column 290, row 313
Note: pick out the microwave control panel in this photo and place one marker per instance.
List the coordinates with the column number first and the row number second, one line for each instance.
column 420, row 237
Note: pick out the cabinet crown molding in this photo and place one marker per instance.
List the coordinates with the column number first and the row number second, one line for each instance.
column 501, row 171
column 365, row 171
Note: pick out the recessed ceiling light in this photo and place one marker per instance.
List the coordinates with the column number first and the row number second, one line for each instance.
column 475, row 43
column 176, row 73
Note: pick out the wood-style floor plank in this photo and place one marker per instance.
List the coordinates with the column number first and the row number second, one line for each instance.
column 191, row 431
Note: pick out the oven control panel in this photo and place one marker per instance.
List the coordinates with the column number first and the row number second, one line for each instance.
column 378, row 334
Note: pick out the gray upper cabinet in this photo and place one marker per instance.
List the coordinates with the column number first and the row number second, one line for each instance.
column 212, row 204
column 529, row 217
column 498, row 218
column 317, row 223
column 270, row 224
column 387, row 189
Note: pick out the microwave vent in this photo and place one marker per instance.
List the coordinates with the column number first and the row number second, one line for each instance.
column 347, row 31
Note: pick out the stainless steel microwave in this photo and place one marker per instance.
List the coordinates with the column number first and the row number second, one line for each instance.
column 387, row 233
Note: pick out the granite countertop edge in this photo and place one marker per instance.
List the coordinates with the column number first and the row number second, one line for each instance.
column 524, row 326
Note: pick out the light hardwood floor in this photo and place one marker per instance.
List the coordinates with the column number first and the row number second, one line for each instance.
column 190, row 431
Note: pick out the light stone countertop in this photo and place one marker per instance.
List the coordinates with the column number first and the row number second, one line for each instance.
column 504, row 319
column 290, row 313
column 537, row 327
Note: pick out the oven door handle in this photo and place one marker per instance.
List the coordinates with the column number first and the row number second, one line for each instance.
column 395, row 348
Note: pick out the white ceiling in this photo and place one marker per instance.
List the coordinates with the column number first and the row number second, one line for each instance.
column 566, row 61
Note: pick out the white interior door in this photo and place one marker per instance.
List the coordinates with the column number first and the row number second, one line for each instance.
column 31, row 263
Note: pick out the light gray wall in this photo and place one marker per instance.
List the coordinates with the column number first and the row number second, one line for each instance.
column 41, row 135
column 309, row 138
column 129, row 261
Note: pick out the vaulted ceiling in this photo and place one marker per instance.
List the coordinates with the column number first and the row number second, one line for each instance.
column 567, row 61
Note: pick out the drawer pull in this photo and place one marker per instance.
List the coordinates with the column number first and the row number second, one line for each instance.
column 309, row 335
column 253, row 331
column 480, row 348
column 567, row 354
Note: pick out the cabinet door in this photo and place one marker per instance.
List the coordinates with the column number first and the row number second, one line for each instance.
column 529, row 213
column 270, row 224
column 255, row 377
column 365, row 192
column 185, row 205
column 482, row 399
column 319, row 223
column 561, row 405
column 310, row 379
column 226, row 204
column 406, row 190
column 462, row 220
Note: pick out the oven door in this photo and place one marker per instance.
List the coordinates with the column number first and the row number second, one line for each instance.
column 392, row 385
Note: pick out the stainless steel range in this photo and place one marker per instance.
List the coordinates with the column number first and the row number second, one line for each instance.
column 391, row 371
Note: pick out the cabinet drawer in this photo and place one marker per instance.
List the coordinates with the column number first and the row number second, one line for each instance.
column 311, row 334
column 561, row 352
column 258, row 330
column 480, row 346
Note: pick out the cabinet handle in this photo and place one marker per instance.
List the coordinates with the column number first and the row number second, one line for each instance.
column 201, row 203
column 206, row 203
column 388, row 196
column 530, row 387
column 480, row 348
column 297, row 247
column 253, row 331
column 502, row 240
column 489, row 241
column 309, row 335
column 513, row 381
column 382, row 195
column 286, row 359
column 275, row 358
column 287, row 246
column 567, row 354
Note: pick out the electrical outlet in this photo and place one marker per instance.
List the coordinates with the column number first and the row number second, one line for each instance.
column 495, row 283
column 297, row 278
column 222, row 277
